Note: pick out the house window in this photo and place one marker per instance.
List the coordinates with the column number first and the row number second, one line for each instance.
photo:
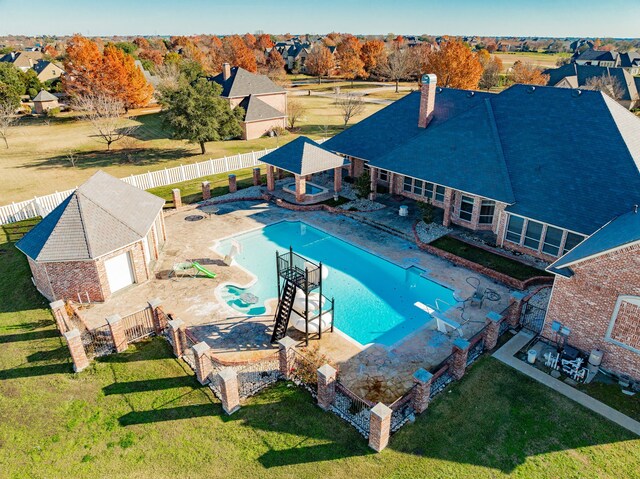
column 514, row 229
column 383, row 175
column 624, row 327
column 571, row 242
column 532, row 235
column 408, row 184
column 466, row 208
column 418, row 185
column 440, row 194
column 428, row 190
column 552, row 239
column 487, row 208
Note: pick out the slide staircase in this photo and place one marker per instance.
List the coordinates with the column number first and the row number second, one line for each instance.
column 285, row 305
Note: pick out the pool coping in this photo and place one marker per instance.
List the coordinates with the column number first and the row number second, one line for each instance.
column 362, row 347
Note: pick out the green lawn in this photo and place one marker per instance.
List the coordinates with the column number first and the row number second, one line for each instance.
column 496, row 262
column 142, row 414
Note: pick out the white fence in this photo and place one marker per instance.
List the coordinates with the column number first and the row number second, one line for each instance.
column 43, row 205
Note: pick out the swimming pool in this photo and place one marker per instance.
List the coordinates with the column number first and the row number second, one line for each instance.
column 374, row 298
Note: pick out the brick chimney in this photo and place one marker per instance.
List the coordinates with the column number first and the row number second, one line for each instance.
column 226, row 71
column 427, row 99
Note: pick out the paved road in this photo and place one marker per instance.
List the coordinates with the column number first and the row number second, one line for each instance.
column 361, row 93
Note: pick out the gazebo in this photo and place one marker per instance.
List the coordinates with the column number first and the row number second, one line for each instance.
column 303, row 157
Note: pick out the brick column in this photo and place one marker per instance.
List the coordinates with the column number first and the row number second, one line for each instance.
column 78, row 354
column 271, row 181
column 59, row 311
column 326, row 386
column 203, row 362
column 177, row 198
column 301, row 188
column 285, row 356
column 176, row 331
column 228, row 380
column 448, row 193
column 117, row 332
column 337, row 179
column 206, row 190
column 279, row 173
column 156, row 309
column 379, row 427
column 257, row 181
column 492, row 330
column 422, row 390
column 459, row 362
column 515, row 308
column 233, row 184
column 374, row 183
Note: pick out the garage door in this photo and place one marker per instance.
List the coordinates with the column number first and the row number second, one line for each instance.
column 119, row 272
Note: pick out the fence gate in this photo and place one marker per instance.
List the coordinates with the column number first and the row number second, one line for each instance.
column 138, row 325
column 532, row 318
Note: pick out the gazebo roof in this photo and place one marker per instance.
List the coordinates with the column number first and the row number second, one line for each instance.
column 303, row 156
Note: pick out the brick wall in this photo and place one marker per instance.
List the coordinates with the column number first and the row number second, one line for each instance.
column 256, row 129
column 585, row 304
column 69, row 278
column 41, row 280
column 141, row 271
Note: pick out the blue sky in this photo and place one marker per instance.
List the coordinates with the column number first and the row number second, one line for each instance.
column 596, row 18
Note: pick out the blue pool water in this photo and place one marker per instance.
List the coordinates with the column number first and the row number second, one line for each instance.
column 374, row 299
column 310, row 189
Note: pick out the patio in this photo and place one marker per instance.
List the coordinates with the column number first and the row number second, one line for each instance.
column 376, row 372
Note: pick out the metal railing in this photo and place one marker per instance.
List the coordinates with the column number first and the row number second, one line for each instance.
column 402, row 409
column 138, row 325
column 352, row 408
column 254, row 377
column 97, row 342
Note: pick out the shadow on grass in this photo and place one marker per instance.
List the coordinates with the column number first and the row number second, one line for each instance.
column 104, row 158
column 306, row 454
column 169, row 414
column 31, row 371
column 149, row 385
column 58, row 354
column 31, row 336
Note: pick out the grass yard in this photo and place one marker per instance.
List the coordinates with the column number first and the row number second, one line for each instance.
column 143, row 414
column 37, row 162
column 544, row 60
column 496, row 262
column 388, row 94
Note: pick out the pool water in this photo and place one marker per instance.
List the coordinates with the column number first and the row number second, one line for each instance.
column 374, row 298
column 310, row 188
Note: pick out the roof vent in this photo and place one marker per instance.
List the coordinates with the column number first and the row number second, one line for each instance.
column 439, row 90
column 576, row 93
column 531, row 89
column 635, row 208
column 471, row 94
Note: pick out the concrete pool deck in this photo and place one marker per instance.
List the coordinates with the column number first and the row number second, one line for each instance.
column 376, row 372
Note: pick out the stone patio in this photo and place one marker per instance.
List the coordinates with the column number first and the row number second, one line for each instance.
column 376, row 372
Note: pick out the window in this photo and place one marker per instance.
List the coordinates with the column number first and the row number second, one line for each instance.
column 552, row 239
column 418, row 185
column 408, row 184
column 440, row 193
column 383, row 175
column 514, row 229
column 466, row 208
column 571, row 242
column 487, row 208
column 428, row 190
column 533, row 234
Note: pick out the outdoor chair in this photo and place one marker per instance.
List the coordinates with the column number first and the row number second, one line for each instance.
column 183, row 269
column 478, row 297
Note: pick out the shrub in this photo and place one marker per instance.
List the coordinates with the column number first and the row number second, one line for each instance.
column 363, row 185
column 52, row 112
column 427, row 210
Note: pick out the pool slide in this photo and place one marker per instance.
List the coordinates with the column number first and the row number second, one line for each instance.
column 203, row 270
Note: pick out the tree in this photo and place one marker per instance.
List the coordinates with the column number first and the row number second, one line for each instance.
column 320, row 61
column 237, row 53
column 127, row 47
column 373, row 53
column 275, row 65
column 7, row 118
column 83, row 62
column 142, row 43
column 249, row 40
column 197, row 113
column 295, row 111
column 455, row 65
column 399, row 65
column 105, row 113
column 11, row 85
column 349, row 62
column 363, row 185
column 154, row 56
column 32, row 85
column 350, row 105
column 263, row 41
column 121, row 78
column 607, row 84
column 491, row 69
column 526, row 73
column 563, row 61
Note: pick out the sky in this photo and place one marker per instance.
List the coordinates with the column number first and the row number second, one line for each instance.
column 556, row 18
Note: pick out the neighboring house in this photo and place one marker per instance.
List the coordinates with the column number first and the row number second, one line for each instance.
column 152, row 79
column 631, row 62
column 47, row 70
column 542, row 169
column 264, row 102
column 599, row 58
column 573, row 75
column 44, row 101
column 296, row 56
column 22, row 60
column 103, row 238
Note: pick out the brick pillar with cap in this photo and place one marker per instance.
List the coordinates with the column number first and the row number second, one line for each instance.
column 257, row 180
column 326, row 386
column 117, row 332
column 233, row 184
column 516, row 302
column 379, row 427
column 448, row 199
column 228, row 380
column 176, row 332
column 492, row 330
column 76, row 348
column 337, row 179
column 203, row 362
column 59, row 311
column 271, row 182
column 177, row 198
column 285, row 356
column 422, row 390
column 206, row 190
column 459, row 361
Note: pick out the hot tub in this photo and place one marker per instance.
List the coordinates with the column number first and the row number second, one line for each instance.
column 312, row 190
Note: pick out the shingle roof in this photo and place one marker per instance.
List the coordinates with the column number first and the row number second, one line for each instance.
column 257, row 110
column 621, row 231
column 571, row 158
column 243, row 83
column 44, row 95
column 598, row 55
column 104, row 214
column 584, row 73
column 303, row 156
column 629, row 59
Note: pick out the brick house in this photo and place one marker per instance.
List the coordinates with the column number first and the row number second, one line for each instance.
column 264, row 102
column 103, row 238
column 541, row 169
column 45, row 101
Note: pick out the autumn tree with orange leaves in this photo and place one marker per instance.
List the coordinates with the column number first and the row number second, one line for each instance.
column 238, row 54
column 263, row 41
column 349, row 62
column 455, row 65
column 528, row 74
column 373, row 53
column 320, row 62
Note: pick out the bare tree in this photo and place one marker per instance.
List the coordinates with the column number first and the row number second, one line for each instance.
column 607, row 84
column 7, row 118
column 169, row 75
column 400, row 64
column 72, row 157
column 350, row 105
column 295, row 111
column 106, row 115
